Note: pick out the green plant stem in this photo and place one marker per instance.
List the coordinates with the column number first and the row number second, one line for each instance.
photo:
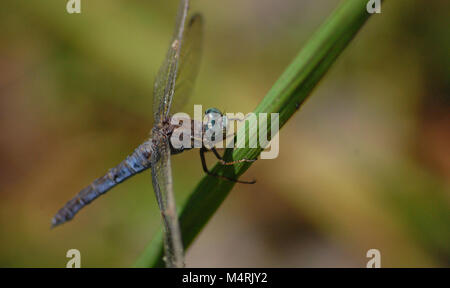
column 285, row 97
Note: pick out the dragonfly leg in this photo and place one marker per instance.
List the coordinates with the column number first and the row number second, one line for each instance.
column 223, row 162
column 205, row 168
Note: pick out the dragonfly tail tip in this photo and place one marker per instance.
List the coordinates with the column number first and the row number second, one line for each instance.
column 54, row 223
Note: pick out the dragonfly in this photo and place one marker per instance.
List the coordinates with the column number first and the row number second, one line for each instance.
column 182, row 59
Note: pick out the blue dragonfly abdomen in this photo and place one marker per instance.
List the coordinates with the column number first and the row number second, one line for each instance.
column 137, row 162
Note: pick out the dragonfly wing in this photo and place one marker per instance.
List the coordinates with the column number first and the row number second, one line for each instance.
column 164, row 86
column 190, row 58
column 163, row 187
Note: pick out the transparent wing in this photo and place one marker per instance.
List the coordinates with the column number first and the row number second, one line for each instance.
column 162, row 185
column 164, row 86
column 190, row 58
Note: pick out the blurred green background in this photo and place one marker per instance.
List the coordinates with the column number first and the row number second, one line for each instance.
column 364, row 164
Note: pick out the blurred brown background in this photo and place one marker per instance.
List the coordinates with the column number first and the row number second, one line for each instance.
column 364, row 164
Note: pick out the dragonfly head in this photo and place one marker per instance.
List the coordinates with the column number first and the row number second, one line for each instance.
column 214, row 117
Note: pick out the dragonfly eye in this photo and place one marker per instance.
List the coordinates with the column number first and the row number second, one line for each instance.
column 214, row 117
column 212, row 111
